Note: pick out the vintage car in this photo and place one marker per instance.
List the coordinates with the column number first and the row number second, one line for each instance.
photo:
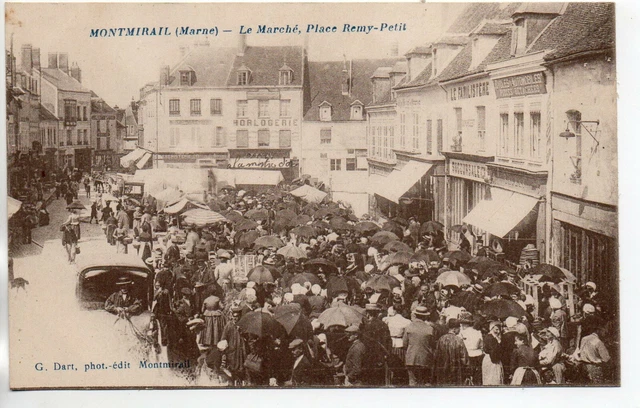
column 99, row 273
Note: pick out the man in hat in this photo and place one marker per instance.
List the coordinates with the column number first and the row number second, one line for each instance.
column 302, row 371
column 354, row 362
column 377, row 338
column 419, row 342
column 558, row 319
column 592, row 353
column 233, row 347
column 451, row 357
column 122, row 302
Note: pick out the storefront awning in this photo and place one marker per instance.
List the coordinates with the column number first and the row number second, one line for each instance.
column 501, row 213
column 132, row 157
column 400, row 181
column 140, row 164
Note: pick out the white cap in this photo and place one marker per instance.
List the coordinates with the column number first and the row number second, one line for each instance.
column 588, row 308
column 288, row 297
column 222, row 345
column 250, row 292
column 591, row 285
column 316, row 289
column 296, row 288
column 397, row 291
column 251, row 284
column 554, row 331
column 511, row 322
column 368, row 268
column 554, row 303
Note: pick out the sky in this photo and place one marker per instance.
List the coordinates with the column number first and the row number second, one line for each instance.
column 117, row 67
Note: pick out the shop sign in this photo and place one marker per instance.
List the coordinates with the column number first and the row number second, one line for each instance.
column 520, row 85
column 263, row 95
column 402, row 102
column 468, row 170
column 255, row 122
column 189, row 158
column 515, row 182
column 261, row 163
column 468, row 91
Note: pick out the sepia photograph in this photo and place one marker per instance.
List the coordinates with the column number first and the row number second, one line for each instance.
column 319, row 195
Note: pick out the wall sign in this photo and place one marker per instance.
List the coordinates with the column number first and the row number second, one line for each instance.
column 468, row 91
column 190, row 158
column 469, row 170
column 262, row 163
column 520, row 85
column 265, row 122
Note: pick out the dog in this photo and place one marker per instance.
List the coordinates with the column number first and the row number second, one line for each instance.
column 19, row 283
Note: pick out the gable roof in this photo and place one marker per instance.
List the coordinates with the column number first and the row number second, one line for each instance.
column 582, row 27
column 325, row 78
column 421, row 79
column 62, row 81
column 473, row 15
column 46, row 114
column 211, row 65
column 265, row 63
column 101, row 107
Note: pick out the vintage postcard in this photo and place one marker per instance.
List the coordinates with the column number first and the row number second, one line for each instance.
column 324, row 195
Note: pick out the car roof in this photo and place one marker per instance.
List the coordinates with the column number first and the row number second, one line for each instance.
column 119, row 260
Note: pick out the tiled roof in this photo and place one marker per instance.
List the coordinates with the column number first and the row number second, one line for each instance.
column 491, row 28
column 211, row 65
column 421, row 79
column 385, row 100
column 381, row 72
column 62, row 81
column 473, row 15
column 265, row 64
column 325, row 79
column 540, row 8
column 424, row 49
column 97, row 107
column 582, row 27
column 452, row 40
column 45, row 114
column 400, row 67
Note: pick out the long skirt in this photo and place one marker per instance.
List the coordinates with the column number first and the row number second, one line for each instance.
column 212, row 332
column 526, row 376
column 492, row 374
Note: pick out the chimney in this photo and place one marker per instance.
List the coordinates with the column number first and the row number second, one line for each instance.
column 35, row 57
column 53, row 60
column 76, row 72
column 242, row 44
column 27, row 58
column 63, row 62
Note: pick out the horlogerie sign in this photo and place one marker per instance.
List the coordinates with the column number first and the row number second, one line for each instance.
column 520, row 85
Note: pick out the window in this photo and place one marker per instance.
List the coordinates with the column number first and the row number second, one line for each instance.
column 518, row 133
column 174, row 106
column 242, row 107
column 108, row 143
column 372, row 134
column 325, row 136
column 285, row 138
column 336, row 164
column 195, row 107
column 79, row 113
column 534, row 134
column 264, row 137
column 218, row 139
column 216, row 106
column 187, row 78
column 285, row 104
column 519, row 37
column 403, row 130
column 243, row 77
column 286, row 76
column 323, row 155
column 429, row 137
column 70, row 110
column 351, row 164
column 99, row 147
column 263, row 109
column 504, row 133
column 84, row 113
column 174, row 137
column 439, row 135
column 86, row 137
column 242, row 138
column 356, row 112
column 482, row 126
column 79, row 136
column 196, row 137
column 325, row 113
column 415, row 132
column 574, row 118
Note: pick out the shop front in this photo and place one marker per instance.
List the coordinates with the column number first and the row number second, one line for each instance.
column 279, row 160
column 191, row 160
column 512, row 215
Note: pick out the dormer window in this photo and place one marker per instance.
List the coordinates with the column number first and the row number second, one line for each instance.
column 356, row 110
column 244, row 75
column 286, row 75
column 435, row 62
column 187, row 77
column 325, row 111
column 519, row 37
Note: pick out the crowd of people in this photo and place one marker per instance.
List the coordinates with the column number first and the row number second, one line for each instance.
column 330, row 299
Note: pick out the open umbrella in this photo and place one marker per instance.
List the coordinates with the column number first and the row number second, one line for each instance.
column 304, row 231
column 382, row 282
column 286, row 214
column 426, row 255
column 339, row 223
column 552, row 273
column 245, row 225
column 260, row 274
column 503, row 308
column 397, row 246
column 261, row 324
column 182, row 206
column 303, row 277
column 323, row 212
column 500, row 289
column 399, row 258
column 456, row 228
column 459, row 256
column 317, row 263
column 201, row 217
column 393, row 227
column 76, row 205
column 246, row 239
column 430, row 227
column 321, row 225
column 384, row 237
column 268, row 242
column 454, row 278
column 341, row 315
column 257, row 215
column 294, row 321
column 292, row 251
column 301, row 219
column 336, row 285
column 233, row 216
column 469, row 300
column 367, row 227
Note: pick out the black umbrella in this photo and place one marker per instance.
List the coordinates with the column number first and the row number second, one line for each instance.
column 469, row 300
column 426, row 255
column 430, row 227
column 336, row 285
column 257, row 215
column 246, row 239
column 293, row 320
column 459, row 256
column 321, row 263
column 503, row 308
column 551, row 273
column 339, row 223
column 393, row 227
column 400, row 221
column 382, row 282
column 260, row 274
column 245, row 225
column 500, row 289
column 261, row 324
column 304, row 231
column 384, row 237
column 76, row 205
column 397, row 246
column 367, row 227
